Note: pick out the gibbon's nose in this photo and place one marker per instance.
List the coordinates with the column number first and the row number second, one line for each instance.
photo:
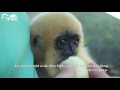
column 70, row 53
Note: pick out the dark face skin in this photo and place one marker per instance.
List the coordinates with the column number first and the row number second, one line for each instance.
column 66, row 44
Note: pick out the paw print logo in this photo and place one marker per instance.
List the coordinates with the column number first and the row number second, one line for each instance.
column 12, row 17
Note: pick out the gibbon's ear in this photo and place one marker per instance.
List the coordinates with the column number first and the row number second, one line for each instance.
column 35, row 41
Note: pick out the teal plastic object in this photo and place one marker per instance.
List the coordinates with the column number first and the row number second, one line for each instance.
column 16, row 58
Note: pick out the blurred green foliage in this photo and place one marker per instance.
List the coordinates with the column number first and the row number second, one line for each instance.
column 102, row 37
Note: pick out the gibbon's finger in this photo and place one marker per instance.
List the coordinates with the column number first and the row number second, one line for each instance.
column 96, row 72
column 66, row 72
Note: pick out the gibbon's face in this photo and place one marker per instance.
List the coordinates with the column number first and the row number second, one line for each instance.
column 66, row 45
column 55, row 36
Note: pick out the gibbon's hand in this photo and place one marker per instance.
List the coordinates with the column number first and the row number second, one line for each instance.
column 97, row 74
column 66, row 72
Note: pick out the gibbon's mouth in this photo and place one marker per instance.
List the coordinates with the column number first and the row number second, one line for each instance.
column 61, row 59
column 64, row 58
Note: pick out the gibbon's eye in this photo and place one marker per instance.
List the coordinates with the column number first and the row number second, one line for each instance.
column 76, row 41
column 62, row 42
